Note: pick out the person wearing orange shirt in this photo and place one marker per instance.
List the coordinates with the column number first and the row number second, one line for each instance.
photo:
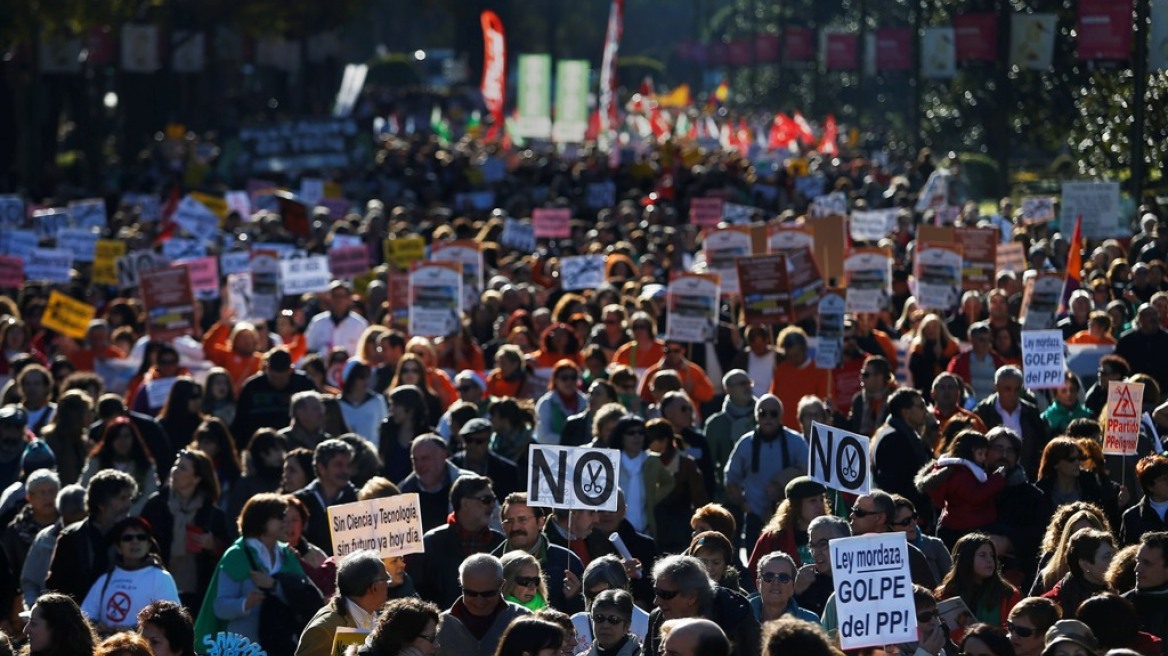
column 796, row 375
column 873, row 340
column 694, row 380
column 1098, row 330
column 557, row 342
column 645, row 350
column 293, row 340
column 97, row 347
column 233, row 347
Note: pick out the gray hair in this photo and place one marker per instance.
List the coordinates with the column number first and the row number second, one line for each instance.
column 300, row 399
column 838, row 526
column 358, row 571
column 728, row 379
column 71, row 499
column 688, row 574
column 767, row 397
column 42, row 476
column 1008, row 371
column 777, row 555
column 607, row 570
column 481, row 563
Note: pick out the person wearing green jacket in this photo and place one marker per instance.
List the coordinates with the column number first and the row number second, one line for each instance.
column 1066, row 407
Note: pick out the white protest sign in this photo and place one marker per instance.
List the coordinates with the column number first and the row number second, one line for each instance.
column 81, row 242
column 601, row 194
column 239, row 295
column 576, row 478
column 11, row 211
column 829, row 347
column 873, row 590
column 240, row 203
column 177, row 248
column 158, row 389
column 692, row 299
column 518, row 235
column 582, row 272
column 48, row 222
column 234, row 262
column 872, row 226
column 839, row 459
column 470, row 255
column 1037, row 209
column 1097, row 203
column 1042, row 359
column 197, row 219
column 833, row 204
column 1125, row 402
column 721, row 248
column 265, row 285
column 936, row 191
column 305, row 275
column 51, row 264
column 937, row 273
column 868, row 280
column 135, row 263
column 391, row 526
column 88, row 213
column 17, row 242
column 435, row 298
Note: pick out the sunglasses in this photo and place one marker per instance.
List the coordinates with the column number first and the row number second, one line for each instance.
column 486, row 499
column 1020, row 631
column 773, row 414
column 906, row 521
column 527, row 581
column 485, row 594
column 598, row 618
column 665, row 594
column 428, row 637
column 861, row 513
column 771, row 577
column 134, row 537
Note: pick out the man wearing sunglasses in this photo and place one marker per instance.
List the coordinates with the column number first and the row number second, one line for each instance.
column 435, row 572
column 476, row 619
column 932, row 636
column 873, row 513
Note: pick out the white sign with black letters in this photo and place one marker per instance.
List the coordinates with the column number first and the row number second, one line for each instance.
column 873, row 590
column 582, row 272
column 1043, row 359
column 576, row 478
column 839, row 459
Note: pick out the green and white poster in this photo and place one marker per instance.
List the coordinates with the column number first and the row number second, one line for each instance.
column 571, row 101
column 535, row 81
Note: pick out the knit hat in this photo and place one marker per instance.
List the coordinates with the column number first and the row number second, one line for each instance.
column 802, row 487
column 37, row 455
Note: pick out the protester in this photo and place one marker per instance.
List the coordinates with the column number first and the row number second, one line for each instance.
column 135, row 581
column 167, row 628
column 478, row 618
column 362, row 585
column 56, row 626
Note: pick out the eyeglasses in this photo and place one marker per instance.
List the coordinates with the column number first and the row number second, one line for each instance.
column 610, row 619
column 1020, row 631
column 486, row 499
column 428, row 637
column 134, row 537
column 665, row 594
column 861, row 513
column 477, row 441
column 906, row 521
column 774, row 414
column 771, row 577
column 485, row 594
column 527, row 581
column 927, row 616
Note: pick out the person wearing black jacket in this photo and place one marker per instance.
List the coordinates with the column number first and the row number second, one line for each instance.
column 683, row 589
column 898, row 452
column 1020, row 504
column 478, row 458
column 332, row 461
column 265, row 400
column 153, row 435
column 1147, row 515
column 642, row 547
column 1150, row 596
column 82, row 553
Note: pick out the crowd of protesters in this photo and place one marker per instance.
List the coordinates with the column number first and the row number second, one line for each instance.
column 139, row 522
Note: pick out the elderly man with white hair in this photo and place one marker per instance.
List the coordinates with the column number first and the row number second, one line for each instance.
column 762, row 463
column 475, row 623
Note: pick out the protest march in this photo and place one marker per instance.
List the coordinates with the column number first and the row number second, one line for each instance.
column 559, row 364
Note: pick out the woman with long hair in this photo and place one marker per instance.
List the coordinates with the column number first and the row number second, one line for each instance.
column 121, row 447
column 168, row 628
column 296, row 472
column 436, row 379
column 977, row 578
column 411, row 370
column 192, row 531
column 528, row 636
column 263, row 465
column 409, row 417
column 182, row 413
column 562, row 400
column 786, row 531
column 135, row 579
column 405, row 627
column 311, row 556
column 513, row 424
column 523, row 581
column 930, row 353
column 67, row 436
column 15, row 339
column 147, row 391
column 958, row 483
column 1053, row 556
column 1062, row 479
column 219, row 395
column 363, row 409
column 213, row 438
column 56, row 627
column 1088, row 556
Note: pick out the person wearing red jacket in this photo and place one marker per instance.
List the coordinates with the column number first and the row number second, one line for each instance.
column 959, row 485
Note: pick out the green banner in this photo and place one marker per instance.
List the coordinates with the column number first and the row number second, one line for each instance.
column 571, row 101
column 535, row 82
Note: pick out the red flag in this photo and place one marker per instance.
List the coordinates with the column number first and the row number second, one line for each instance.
column 494, row 70
column 783, row 132
column 805, row 133
column 827, row 144
column 658, row 123
column 168, row 210
column 608, row 77
column 1074, row 276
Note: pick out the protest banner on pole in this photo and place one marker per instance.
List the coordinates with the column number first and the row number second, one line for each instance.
column 839, row 459
column 49, row 221
column 348, row 261
column 81, row 242
column 692, row 301
column 131, row 266
column 784, row 238
column 239, row 295
column 17, row 242
column 67, row 315
column 534, row 118
column 519, row 235
column 11, row 211
column 868, row 279
column 873, row 590
column 937, row 270
column 204, row 277
column 1121, row 434
column 872, row 225
column 470, row 254
column 1040, row 301
column 721, row 247
column 1098, row 203
column 265, row 284
column 1043, row 362
column 979, row 249
column 829, row 346
column 1010, row 257
column 234, row 262
column 435, row 298
column 305, row 275
column 571, row 122
column 833, row 204
column 88, row 214
column 197, row 219
column 552, row 222
column 572, row 477
column 582, row 272
column 402, row 252
column 391, row 526
column 170, row 305
column 1037, row 209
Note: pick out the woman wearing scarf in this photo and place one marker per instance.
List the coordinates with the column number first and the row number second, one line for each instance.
column 562, row 400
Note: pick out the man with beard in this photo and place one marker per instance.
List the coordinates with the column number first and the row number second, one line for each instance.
column 523, row 525
column 82, row 555
column 1019, row 505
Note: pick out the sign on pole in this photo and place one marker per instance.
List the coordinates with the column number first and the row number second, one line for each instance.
column 1125, row 402
column 305, row 275
column 170, row 304
column 1042, row 359
column 829, row 349
column 67, row 315
column 576, row 478
column 391, row 526
column 692, row 300
column 435, row 298
column 873, row 590
column 581, row 272
column 839, row 459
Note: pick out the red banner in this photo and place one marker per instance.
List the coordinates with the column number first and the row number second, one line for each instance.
column 842, row 51
column 608, row 77
column 894, row 49
column 1105, row 29
column 798, row 44
column 976, row 36
column 494, row 86
column 766, row 48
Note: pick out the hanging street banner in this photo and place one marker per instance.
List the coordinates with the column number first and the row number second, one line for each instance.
column 571, row 101
column 534, row 120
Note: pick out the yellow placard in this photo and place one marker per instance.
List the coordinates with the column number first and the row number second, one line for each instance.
column 361, row 281
column 67, row 316
column 217, row 205
column 105, row 261
column 333, row 189
column 403, row 251
column 345, row 637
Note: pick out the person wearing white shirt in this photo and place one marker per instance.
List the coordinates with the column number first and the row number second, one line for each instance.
column 136, row 580
column 337, row 326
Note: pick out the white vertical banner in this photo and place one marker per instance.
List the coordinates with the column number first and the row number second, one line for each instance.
column 938, row 53
column 571, row 101
column 1032, row 41
column 535, row 78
